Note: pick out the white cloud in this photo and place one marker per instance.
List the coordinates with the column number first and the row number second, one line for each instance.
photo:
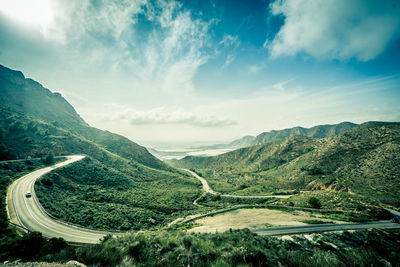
column 75, row 19
column 163, row 115
column 265, row 44
column 254, row 69
column 230, row 40
column 335, row 29
column 163, row 57
column 229, row 59
column 174, row 53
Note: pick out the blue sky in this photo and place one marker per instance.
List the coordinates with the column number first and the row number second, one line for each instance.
column 210, row 70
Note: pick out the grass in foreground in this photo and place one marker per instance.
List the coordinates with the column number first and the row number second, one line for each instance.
column 239, row 248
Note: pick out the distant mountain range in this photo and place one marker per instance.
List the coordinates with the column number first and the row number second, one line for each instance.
column 320, row 131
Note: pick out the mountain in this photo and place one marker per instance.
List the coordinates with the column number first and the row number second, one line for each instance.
column 319, row 131
column 242, row 142
column 237, row 143
column 364, row 160
column 119, row 185
column 28, row 97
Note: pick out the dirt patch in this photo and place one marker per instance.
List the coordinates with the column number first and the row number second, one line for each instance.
column 254, row 219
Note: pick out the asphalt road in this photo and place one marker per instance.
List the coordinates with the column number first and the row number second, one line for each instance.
column 28, row 213
column 287, row 230
column 31, row 215
column 208, row 189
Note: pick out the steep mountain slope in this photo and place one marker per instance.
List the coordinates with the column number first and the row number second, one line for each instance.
column 364, row 160
column 254, row 158
column 25, row 96
column 242, row 142
column 120, row 185
column 28, row 96
column 319, row 131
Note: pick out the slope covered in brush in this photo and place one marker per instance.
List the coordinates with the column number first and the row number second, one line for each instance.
column 319, row 131
column 120, row 185
column 364, row 160
column 23, row 96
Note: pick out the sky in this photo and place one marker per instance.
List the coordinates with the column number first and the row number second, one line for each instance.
column 209, row 70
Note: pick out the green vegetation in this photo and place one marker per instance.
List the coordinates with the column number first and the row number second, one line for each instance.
column 216, row 201
column 11, row 244
column 49, row 158
column 320, row 131
column 131, row 196
column 361, row 161
column 316, row 222
column 314, row 202
column 239, row 248
column 354, row 208
column 119, row 186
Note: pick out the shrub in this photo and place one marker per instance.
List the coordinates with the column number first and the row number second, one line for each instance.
column 49, row 158
column 30, row 245
column 46, row 181
column 315, row 171
column 314, row 202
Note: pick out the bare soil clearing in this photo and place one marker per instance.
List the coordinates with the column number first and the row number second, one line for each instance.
column 254, row 219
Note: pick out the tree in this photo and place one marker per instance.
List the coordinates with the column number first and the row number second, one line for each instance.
column 30, row 245
column 314, row 203
column 49, row 158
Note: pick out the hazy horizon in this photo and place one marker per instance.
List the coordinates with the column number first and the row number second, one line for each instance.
column 209, row 71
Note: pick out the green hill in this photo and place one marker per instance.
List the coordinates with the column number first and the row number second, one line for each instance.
column 27, row 96
column 137, row 190
column 319, row 131
column 19, row 95
column 364, row 160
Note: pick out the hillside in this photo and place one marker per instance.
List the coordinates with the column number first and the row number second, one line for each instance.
column 320, row 131
column 241, row 142
column 141, row 190
column 26, row 97
column 363, row 160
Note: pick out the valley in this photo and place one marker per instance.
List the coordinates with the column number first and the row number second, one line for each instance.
column 299, row 180
column 188, row 133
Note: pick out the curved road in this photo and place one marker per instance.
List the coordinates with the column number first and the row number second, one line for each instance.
column 290, row 230
column 28, row 213
column 208, row 189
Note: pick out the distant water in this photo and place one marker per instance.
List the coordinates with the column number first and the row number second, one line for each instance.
column 177, row 153
column 210, row 152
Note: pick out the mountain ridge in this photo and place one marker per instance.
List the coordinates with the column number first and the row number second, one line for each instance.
column 26, row 96
column 318, row 131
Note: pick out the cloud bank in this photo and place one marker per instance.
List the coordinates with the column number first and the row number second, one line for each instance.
column 335, row 29
column 162, row 115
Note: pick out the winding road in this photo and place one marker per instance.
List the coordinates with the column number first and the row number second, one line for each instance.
column 290, row 230
column 29, row 213
column 208, row 189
